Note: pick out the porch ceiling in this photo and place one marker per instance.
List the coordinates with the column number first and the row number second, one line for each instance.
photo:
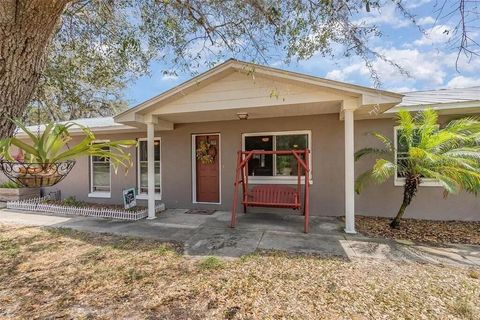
column 255, row 113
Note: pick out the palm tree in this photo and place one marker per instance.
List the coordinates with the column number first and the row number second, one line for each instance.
column 449, row 155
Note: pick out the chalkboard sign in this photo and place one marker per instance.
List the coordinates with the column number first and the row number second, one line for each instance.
column 129, row 199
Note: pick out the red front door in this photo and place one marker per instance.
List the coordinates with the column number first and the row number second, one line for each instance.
column 207, row 153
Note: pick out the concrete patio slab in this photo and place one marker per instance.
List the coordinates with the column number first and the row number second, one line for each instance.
column 222, row 242
column 284, row 222
column 209, row 235
column 384, row 250
column 324, row 245
column 28, row 219
column 142, row 228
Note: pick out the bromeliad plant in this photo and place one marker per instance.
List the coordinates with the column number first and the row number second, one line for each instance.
column 449, row 155
column 44, row 152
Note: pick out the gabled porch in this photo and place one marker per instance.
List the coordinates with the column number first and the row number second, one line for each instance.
column 237, row 91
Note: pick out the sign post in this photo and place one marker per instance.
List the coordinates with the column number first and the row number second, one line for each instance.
column 129, row 199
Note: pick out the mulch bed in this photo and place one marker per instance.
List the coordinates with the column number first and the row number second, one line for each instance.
column 422, row 231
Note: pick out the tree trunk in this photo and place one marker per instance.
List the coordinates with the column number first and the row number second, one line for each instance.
column 410, row 189
column 26, row 31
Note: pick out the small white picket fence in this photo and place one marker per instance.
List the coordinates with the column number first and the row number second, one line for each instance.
column 38, row 205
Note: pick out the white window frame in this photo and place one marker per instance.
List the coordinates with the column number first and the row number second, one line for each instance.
column 99, row 194
column 400, row 182
column 280, row 179
column 144, row 195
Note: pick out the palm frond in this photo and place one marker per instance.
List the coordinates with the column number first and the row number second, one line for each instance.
column 426, row 126
column 407, row 124
column 370, row 151
column 386, row 141
column 465, row 152
column 362, row 180
column 382, row 170
column 450, row 155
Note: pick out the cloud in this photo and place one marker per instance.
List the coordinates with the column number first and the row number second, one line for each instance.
column 385, row 15
column 426, row 20
column 343, row 74
column 416, row 4
column 463, row 82
column 435, row 35
column 402, row 89
column 421, row 66
column 465, row 64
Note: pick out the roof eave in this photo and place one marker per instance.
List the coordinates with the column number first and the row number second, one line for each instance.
column 369, row 96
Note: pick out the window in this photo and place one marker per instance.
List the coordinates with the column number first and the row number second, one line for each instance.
column 100, row 176
column 264, row 167
column 401, row 156
column 402, row 149
column 142, row 165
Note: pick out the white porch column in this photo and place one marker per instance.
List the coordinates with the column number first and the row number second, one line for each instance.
column 349, row 172
column 151, row 169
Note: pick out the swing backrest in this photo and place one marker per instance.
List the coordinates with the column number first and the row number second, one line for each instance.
column 274, row 195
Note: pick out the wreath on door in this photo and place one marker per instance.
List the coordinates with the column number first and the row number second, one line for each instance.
column 206, row 152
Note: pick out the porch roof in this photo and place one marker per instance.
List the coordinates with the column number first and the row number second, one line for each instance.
column 236, row 87
column 97, row 125
column 445, row 101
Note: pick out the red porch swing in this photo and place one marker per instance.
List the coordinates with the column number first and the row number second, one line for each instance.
column 273, row 196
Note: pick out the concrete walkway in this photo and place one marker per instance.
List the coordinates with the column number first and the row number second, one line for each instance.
column 208, row 235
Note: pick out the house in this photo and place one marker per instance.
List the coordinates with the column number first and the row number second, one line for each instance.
column 242, row 106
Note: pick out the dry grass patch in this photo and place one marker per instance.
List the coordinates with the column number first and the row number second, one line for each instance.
column 63, row 273
column 424, row 231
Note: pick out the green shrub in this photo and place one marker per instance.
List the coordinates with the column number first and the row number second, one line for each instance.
column 73, row 202
column 10, row 185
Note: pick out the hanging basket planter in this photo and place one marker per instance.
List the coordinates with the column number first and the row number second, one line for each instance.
column 33, row 175
column 47, row 158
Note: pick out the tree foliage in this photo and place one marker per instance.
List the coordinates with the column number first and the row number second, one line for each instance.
column 101, row 45
column 449, row 155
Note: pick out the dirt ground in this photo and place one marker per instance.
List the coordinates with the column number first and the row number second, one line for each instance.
column 60, row 273
column 423, row 231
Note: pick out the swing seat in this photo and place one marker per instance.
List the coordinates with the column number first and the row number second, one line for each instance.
column 273, row 196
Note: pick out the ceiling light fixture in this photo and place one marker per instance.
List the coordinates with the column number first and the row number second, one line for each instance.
column 242, row 115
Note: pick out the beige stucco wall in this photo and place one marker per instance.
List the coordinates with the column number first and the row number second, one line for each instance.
column 327, row 191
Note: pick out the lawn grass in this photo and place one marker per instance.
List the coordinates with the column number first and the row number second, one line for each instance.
column 47, row 273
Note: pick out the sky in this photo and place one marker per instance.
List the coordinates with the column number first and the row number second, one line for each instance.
column 428, row 58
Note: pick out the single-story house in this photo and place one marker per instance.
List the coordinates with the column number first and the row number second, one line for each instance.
column 242, row 106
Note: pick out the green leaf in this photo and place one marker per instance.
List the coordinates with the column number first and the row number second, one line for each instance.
column 370, row 151
column 382, row 170
column 25, row 147
column 362, row 180
column 32, row 136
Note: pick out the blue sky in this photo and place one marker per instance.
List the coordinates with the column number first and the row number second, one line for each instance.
column 427, row 57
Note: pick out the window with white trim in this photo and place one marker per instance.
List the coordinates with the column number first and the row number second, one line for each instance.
column 275, row 166
column 100, row 181
column 401, row 155
column 142, row 165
